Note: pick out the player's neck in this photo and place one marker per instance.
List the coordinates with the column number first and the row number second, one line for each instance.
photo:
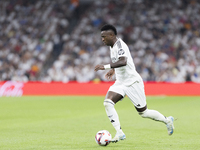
column 114, row 41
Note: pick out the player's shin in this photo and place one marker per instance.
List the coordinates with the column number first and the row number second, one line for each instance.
column 112, row 114
column 153, row 114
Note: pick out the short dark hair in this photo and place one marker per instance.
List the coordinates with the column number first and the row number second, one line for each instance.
column 109, row 27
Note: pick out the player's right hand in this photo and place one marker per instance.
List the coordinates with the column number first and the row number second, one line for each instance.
column 99, row 67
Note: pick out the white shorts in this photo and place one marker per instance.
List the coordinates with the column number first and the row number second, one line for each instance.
column 135, row 92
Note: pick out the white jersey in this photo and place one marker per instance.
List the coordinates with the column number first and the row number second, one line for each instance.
column 125, row 75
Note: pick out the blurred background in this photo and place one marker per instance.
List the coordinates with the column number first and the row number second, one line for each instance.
column 59, row 40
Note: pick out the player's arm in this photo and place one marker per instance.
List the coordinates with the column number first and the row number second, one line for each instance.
column 120, row 63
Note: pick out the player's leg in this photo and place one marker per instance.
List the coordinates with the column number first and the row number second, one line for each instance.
column 111, row 99
column 157, row 116
column 152, row 114
column 137, row 95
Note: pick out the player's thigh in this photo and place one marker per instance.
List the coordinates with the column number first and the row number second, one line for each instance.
column 115, row 93
column 136, row 94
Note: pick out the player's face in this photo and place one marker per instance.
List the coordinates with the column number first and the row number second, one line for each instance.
column 107, row 37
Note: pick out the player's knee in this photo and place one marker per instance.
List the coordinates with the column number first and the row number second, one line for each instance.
column 108, row 103
column 144, row 113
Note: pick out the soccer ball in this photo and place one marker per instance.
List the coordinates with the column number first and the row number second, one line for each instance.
column 103, row 137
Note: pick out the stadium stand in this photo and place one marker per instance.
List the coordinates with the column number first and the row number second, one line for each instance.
column 60, row 40
column 29, row 32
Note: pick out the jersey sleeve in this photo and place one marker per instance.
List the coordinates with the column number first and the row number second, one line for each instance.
column 121, row 52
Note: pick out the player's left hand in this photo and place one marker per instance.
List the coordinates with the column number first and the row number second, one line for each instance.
column 99, row 67
column 110, row 74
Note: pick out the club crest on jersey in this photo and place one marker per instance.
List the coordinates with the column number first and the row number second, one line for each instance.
column 121, row 52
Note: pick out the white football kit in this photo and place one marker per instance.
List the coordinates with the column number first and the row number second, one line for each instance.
column 128, row 81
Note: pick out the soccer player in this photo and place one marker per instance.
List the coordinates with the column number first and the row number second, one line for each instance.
column 128, row 82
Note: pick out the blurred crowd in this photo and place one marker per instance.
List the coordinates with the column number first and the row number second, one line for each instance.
column 163, row 37
column 28, row 32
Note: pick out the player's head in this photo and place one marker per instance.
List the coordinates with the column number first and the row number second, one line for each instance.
column 109, row 27
column 108, row 34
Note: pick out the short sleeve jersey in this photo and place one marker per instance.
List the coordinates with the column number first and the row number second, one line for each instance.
column 126, row 75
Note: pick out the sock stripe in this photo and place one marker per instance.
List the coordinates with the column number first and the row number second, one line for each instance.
column 110, row 102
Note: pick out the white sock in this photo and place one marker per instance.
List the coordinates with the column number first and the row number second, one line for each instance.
column 153, row 114
column 112, row 114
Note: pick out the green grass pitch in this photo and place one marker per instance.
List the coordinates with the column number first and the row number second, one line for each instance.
column 71, row 122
